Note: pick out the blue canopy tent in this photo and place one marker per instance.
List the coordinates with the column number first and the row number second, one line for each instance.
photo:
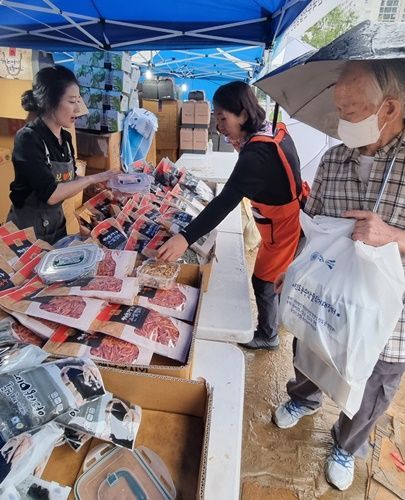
column 66, row 25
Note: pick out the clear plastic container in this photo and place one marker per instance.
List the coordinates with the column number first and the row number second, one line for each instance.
column 158, row 274
column 118, row 473
column 130, row 183
column 64, row 264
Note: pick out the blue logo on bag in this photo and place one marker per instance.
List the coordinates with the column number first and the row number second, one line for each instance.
column 317, row 256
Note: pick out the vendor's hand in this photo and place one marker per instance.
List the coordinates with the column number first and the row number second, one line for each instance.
column 102, row 176
column 173, row 248
column 279, row 282
column 370, row 228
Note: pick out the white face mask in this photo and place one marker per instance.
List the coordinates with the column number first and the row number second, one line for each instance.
column 363, row 133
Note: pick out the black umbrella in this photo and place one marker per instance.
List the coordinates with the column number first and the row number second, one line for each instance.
column 304, row 86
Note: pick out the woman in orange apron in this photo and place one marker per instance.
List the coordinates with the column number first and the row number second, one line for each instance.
column 268, row 173
column 43, row 156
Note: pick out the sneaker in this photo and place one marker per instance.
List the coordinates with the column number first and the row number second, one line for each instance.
column 290, row 413
column 339, row 470
column 261, row 341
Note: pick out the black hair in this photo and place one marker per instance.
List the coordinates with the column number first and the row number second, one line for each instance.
column 236, row 97
column 50, row 84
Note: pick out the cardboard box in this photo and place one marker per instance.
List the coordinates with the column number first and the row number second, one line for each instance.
column 186, row 138
column 193, row 275
column 200, row 139
column 107, row 60
column 176, row 416
column 168, row 114
column 112, row 100
column 187, row 113
column 172, row 154
column 10, row 98
column 133, row 99
column 151, row 156
column 112, row 121
column 100, row 151
column 202, row 113
column 91, row 121
column 93, row 98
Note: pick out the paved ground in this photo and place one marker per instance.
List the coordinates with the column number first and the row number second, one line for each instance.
column 286, row 464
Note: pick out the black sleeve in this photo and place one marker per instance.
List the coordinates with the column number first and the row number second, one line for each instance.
column 212, row 214
column 244, row 181
column 30, row 164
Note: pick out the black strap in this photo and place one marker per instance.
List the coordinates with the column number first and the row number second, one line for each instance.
column 275, row 116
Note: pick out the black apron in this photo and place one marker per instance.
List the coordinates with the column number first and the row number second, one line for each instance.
column 47, row 220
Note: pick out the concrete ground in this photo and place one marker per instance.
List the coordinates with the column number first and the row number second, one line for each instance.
column 287, row 464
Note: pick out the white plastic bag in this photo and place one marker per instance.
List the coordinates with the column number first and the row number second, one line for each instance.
column 342, row 300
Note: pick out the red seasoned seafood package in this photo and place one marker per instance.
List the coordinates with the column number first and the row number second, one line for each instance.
column 97, row 346
column 125, row 221
column 142, row 326
column 152, row 246
column 28, row 271
column 11, row 327
column 146, row 227
column 136, row 242
column 77, row 312
column 149, row 211
column 173, row 219
column 151, row 199
column 41, row 327
column 167, row 174
column 7, row 228
column 178, row 202
column 189, row 196
column 142, row 166
column 99, row 205
column 117, row 263
column 6, row 273
column 179, row 302
column 37, row 248
column 197, row 186
column 131, row 206
column 108, row 288
column 14, row 245
column 110, row 234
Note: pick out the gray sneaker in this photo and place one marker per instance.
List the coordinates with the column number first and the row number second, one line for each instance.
column 339, row 469
column 261, row 341
column 290, row 413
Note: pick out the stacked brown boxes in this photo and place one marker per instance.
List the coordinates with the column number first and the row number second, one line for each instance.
column 167, row 112
column 195, row 119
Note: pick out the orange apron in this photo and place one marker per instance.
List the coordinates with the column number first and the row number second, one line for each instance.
column 278, row 225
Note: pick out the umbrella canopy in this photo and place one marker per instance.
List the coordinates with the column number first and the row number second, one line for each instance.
column 304, row 86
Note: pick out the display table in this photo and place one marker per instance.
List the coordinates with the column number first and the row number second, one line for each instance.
column 223, row 367
column 233, row 221
column 225, row 312
column 213, row 167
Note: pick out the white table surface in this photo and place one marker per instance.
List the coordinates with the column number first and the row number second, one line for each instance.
column 233, row 221
column 225, row 313
column 223, row 367
column 214, row 167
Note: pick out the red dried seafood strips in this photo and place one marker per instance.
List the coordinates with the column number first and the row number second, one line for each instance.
column 65, row 306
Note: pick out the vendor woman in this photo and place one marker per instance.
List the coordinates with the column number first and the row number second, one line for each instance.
column 268, row 173
column 44, row 158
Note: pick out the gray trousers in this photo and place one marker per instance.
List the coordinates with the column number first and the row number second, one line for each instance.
column 267, row 307
column 352, row 434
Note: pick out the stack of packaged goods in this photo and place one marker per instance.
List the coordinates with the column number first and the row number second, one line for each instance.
column 104, row 295
column 195, row 120
column 108, row 87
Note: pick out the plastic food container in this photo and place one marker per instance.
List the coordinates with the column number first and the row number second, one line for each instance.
column 64, row 264
column 158, row 274
column 119, row 473
column 130, row 183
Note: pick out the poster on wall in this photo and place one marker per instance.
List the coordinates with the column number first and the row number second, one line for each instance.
column 15, row 63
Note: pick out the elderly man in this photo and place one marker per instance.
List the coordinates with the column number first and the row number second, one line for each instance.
column 370, row 98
